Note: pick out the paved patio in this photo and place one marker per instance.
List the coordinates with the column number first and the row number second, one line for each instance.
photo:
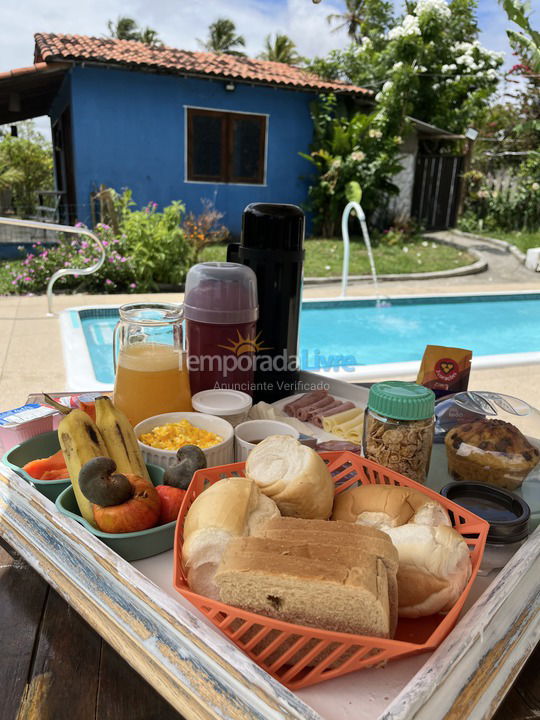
column 31, row 349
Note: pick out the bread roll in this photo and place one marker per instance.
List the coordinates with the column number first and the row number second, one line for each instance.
column 230, row 508
column 434, row 568
column 293, row 475
column 388, row 506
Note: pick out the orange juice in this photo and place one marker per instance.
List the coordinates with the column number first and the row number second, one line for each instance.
column 151, row 379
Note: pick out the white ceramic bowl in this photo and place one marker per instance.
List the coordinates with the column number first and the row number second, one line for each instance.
column 258, row 430
column 220, row 454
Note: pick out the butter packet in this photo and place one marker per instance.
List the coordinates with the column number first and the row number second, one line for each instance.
column 445, row 370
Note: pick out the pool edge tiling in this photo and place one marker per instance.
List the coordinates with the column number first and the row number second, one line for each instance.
column 82, row 374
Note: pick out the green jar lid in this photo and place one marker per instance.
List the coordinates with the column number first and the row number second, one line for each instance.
column 401, row 400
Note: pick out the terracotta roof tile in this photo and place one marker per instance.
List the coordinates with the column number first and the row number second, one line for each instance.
column 51, row 48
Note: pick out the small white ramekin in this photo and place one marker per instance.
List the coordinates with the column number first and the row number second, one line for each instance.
column 220, row 454
column 258, row 430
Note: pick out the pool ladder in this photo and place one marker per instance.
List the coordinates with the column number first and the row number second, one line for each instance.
column 70, row 230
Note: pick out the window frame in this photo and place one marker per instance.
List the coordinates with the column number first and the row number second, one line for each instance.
column 226, row 178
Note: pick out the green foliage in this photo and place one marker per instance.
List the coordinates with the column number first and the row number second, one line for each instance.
column 357, row 149
column 515, row 206
column 26, row 165
column 280, row 49
column 149, row 250
column 363, row 18
column 527, row 41
column 126, row 28
column 222, row 38
column 451, row 77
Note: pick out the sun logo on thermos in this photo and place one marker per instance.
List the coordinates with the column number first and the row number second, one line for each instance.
column 245, row 345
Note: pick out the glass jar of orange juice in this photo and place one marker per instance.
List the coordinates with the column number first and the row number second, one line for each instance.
column 150, row 364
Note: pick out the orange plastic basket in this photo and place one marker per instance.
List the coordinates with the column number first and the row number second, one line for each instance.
column 298, row 655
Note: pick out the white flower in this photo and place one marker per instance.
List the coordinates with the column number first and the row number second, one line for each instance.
column 397, row 66
column 434, row 7
column 436, row 86
column 492, row 74
column 378, row 97
column 405, row 249
column 374, row 133
column 483, row 194
column 453, row 66
column 336, row 163
column 535, row 186
column 409, row 26
column 398, row 139
column 422, row 68
column 425, row 243
column 366, row 43
column 358, row 156
column 388, row 85
column 445, row 69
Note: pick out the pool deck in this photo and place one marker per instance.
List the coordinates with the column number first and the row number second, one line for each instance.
column 31, row 349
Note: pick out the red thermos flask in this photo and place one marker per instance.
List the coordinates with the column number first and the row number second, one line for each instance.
column 221, row 311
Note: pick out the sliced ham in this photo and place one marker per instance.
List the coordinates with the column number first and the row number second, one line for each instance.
column 304, row 413
column 334, row 410
column 308, row 399
column 326, row 408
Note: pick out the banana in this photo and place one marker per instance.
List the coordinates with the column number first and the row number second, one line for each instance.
column 122, row 445
column 80, row 441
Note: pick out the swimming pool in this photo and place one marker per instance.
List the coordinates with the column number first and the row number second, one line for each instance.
column 352, row 339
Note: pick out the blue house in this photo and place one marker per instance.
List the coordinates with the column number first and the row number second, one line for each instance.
column 169, row 124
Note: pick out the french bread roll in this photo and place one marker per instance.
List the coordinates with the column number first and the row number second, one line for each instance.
column 293, row 475
column 388, row 506
column 230, row 508
column 434, row 568
column 260, row 577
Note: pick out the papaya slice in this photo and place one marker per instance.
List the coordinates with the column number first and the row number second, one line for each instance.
column 54, row 467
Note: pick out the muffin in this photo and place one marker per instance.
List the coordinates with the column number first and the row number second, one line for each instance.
column 490, row 451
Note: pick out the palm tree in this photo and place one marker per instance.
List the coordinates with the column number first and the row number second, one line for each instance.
column 126, row 28
column 352, row 18
column 150, row 37
column 280, row 49
column 222, row 38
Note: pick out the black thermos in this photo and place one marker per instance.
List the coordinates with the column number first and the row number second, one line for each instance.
column 272, row 245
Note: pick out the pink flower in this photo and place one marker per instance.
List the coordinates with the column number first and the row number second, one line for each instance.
column 132, row 285
column 79, row 224
column 84, row 245
column 123, row 259
column 27, row 279
column 105, row 227
column 104, row 243
column 108, row 282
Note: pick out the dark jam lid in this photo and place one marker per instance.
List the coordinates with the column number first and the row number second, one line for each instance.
column 506, row 513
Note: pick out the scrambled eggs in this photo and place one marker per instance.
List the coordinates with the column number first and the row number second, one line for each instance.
column 175, row 435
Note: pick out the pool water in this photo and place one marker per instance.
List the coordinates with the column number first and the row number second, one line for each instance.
column 342, row 334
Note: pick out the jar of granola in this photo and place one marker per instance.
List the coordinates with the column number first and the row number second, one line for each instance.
column 398, row 427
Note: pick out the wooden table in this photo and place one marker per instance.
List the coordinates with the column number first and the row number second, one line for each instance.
column 54, row 666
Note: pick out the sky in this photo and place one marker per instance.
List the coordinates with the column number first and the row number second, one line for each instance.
column 180, row 23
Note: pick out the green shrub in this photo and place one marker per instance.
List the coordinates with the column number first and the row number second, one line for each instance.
column 150, row 249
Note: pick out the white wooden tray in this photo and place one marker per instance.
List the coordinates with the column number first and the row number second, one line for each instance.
column 136, row 610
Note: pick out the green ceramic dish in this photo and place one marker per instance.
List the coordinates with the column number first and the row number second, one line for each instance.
column 40, row 446
column 131, row 546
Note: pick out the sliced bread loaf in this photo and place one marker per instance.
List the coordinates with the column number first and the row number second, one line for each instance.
column 343, row 542
column 258, row 576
